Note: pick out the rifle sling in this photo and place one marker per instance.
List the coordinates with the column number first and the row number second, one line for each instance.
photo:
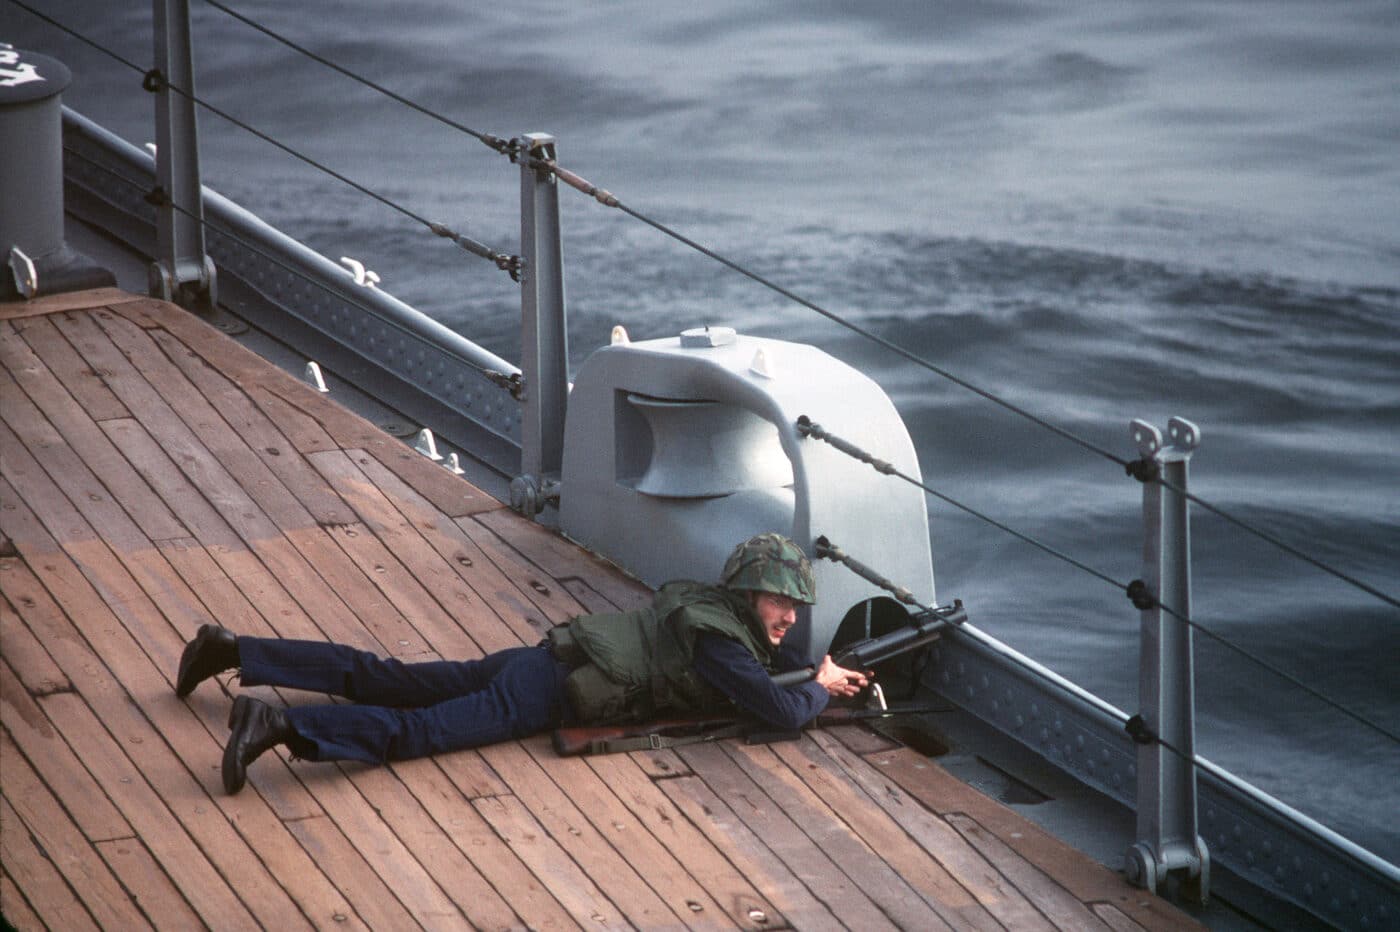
column 657, row 741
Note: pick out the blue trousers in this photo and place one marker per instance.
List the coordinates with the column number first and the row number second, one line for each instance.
column 407, row 710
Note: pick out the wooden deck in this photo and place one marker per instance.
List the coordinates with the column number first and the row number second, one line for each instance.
column 154, row 476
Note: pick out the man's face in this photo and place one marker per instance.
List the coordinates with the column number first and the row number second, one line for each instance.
column 776, row 612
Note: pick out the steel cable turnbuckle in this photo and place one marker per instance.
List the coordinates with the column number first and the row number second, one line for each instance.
column 601, row 195
column 506, row 263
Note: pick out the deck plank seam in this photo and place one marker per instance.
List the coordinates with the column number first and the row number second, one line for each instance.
column 12, row 842
column 574, row 832
column 844, row 767
column 834, row 815
column 133, row 699
column 398, row 534
column 837, row 815
column 252, row 510
column 444, row 535
column 647, row 802
column 818, row 870
column 507, row 559
column 505, row 853
column 86, row 706
column 620, row 835
column 309, row 469
column 93, row 843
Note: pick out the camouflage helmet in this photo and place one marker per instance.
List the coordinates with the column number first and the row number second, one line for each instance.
column 771, row 563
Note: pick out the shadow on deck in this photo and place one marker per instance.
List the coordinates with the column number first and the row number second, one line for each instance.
column 155, row 476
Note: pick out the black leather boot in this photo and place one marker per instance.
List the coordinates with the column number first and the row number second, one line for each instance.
column 255, row 727
column 213, row 650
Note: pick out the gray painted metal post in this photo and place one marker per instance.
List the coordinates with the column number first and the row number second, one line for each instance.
column 544, row 361
column 183, row 271
column 1167, row 840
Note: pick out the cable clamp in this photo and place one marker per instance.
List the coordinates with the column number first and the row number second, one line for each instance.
column 512, row 264
column 503, row 146
column 1137, row 729
column 1141, row 596
column 153, row 81
column 157, row 197
column 1143, row 470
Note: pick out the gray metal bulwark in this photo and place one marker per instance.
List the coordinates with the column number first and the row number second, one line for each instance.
column 1167, row 840
column 544, row 359
column 182, row 272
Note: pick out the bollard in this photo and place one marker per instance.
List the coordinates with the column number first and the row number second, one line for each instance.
column 38, row 259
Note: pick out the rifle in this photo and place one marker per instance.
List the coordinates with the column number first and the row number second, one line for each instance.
column 924, row 627
column 677, row 732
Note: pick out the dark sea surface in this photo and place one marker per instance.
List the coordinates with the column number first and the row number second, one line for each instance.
column 1095, row 211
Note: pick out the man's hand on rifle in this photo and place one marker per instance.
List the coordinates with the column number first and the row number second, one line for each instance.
column 838, row 681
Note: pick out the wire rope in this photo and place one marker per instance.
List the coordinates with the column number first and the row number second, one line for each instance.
column 499, row 378
column 503, row 261
column 807, row 428
column 494, row 142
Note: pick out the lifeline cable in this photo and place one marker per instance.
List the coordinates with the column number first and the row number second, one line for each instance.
column 807, row 428
column 495, row 142
column 608, row 199
column 504, row 262
column 504, row 380
column 1281, row 545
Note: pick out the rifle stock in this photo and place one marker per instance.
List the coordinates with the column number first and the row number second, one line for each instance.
column 632, row 736
column 594, row 739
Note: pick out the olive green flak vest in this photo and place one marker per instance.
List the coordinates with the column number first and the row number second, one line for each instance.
column 634, row 665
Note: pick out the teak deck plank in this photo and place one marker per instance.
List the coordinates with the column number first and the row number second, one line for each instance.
column 32, row 872
column 449, row 804
column 560, row 816
column 155, row 476
column 73, row 300
column 262, row 436
column 1059, row 907
column 351, row 876
column 60, row 839
column 632, row 839
column 794, row 903
column 24, row 344
column 13, row 906
column 707, row 864
column 1082, row 877
column 498, row 592
column 30, row 732
column 925, row 897
column 958, row 870
column 570, row 883
column 562, row 559
column 253, row 499
column 779, row 828
column 386, row 791
column 152, row 890
column 173, row 720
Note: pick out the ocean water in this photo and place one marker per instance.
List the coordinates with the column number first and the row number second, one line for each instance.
column 1096, row 211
